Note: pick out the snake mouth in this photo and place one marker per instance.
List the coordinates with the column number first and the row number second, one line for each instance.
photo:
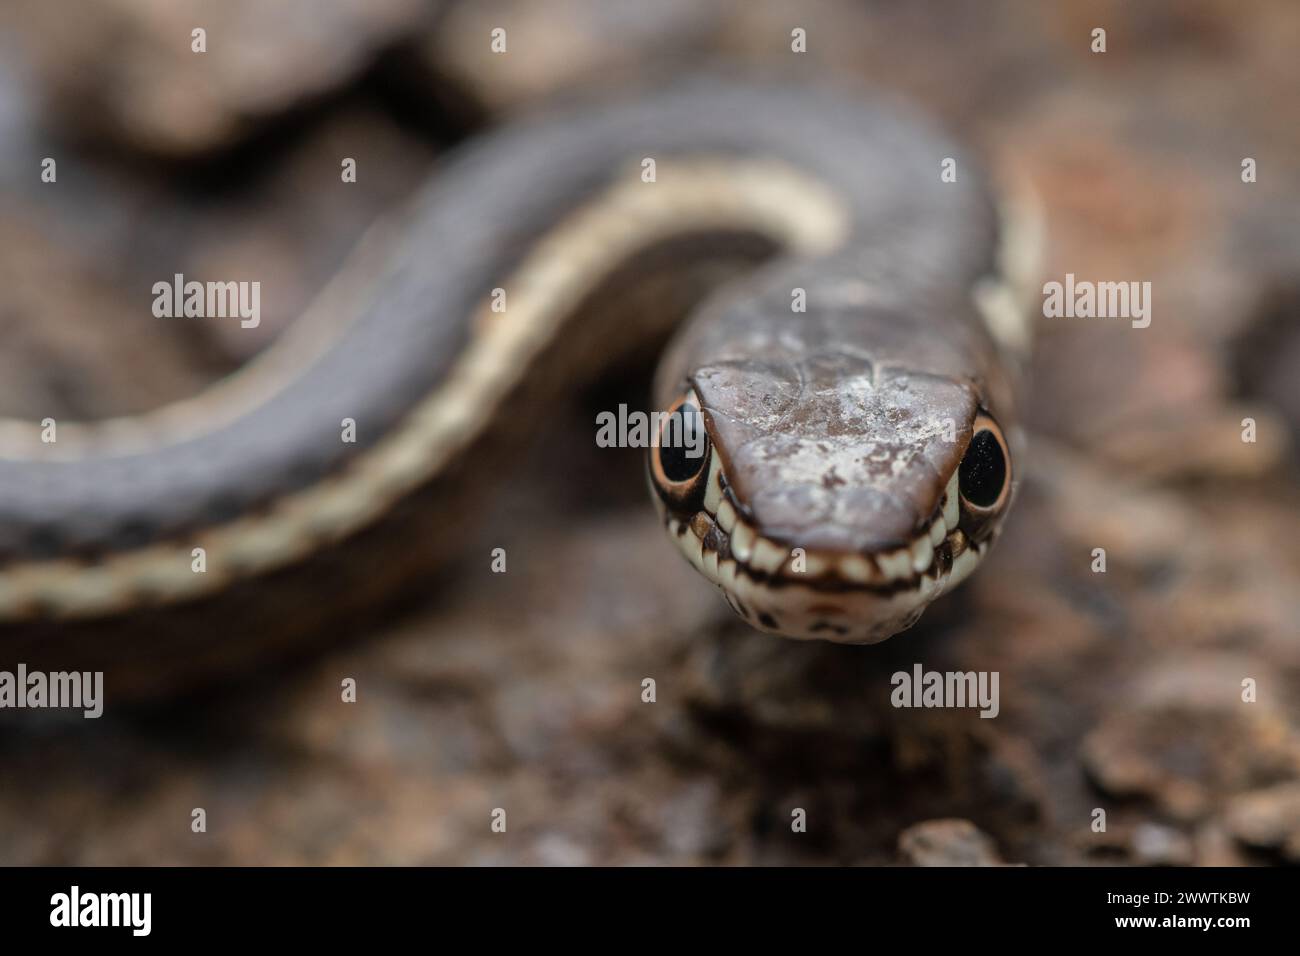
column 850, row 597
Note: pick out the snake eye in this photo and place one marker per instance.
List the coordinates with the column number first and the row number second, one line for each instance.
column 984, row 477
column 679, row 461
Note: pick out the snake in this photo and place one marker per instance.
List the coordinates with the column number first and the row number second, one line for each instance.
column 853, row 377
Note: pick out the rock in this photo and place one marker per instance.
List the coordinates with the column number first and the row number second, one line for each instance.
column 947, row 843
column 1268, row 819
column 1267, row 352
column 1154, row 844
column 1216, row 847
column 1188, row 740
column 1204, row 446
column 128, row 70
column 560, row 44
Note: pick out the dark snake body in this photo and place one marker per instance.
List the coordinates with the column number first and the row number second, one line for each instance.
column 893, row 298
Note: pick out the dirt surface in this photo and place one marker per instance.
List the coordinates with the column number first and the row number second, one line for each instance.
column 1121, row 691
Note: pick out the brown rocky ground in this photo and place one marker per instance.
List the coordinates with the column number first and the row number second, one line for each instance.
column 1121, row 691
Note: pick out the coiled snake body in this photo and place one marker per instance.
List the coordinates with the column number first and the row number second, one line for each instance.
column 856, row 390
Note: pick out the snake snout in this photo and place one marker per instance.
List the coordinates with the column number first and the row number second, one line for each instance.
column 839, row 512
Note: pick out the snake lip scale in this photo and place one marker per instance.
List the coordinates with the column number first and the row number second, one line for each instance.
column 931, row 554
column 874, row 428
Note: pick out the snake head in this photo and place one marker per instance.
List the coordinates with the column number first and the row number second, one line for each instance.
column 835, row 496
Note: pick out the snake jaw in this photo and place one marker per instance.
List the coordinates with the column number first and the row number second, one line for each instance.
column 853, row 597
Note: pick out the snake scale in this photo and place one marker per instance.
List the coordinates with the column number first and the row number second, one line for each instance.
column 856, row 386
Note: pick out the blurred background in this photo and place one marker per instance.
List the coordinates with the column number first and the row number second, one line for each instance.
column 1119, row 691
